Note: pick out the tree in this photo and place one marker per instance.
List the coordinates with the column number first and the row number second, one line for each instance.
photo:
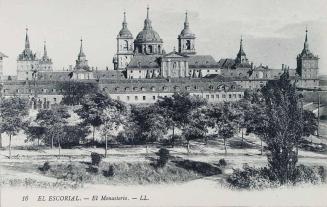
column 13, row 116
column 112, row 118
column 196, row 128
column 285, row 126
column 74, row 91
column 35, row 133
column 149, row 125
column 53, row 121
column 176, row 110
column 92, row 108
column 224, row 119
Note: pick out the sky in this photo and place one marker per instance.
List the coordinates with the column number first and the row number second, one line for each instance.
column 273, row 30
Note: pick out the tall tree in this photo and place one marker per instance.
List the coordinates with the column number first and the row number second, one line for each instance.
column 13, row 116
column 149, row 125
column 224, row 119
column 177, row 109
column 285, row 126
column 91, row 110
column 113, row 116
column 53, row 121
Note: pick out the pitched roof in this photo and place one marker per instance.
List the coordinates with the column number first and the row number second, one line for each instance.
column 144, row 61
column 226, row 63
column 201, row 61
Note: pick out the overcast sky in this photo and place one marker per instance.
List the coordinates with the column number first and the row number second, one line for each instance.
column 273, row 30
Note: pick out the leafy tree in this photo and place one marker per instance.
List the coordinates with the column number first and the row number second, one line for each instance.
column 74, row 91
column 149, row 125
column 13, row 116
column 53, row 121
column 112, row 118
column 177, row 109
column 224, row 119
column 35, row 133
column 92, row 108
column 284, row 126
column 196, row 128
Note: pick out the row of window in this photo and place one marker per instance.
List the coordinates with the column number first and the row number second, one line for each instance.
column 213, row 96
column 176, row 88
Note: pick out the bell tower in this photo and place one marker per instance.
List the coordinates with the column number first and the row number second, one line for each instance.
column 186, row 39
column 307, row 62
column 124, row 47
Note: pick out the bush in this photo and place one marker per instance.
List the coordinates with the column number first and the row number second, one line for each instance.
column 110, row 172
column 305, row 174
column 163, row 157
column 222, row 162
column 93, row 169
column 252, row 178
column 203, row 168
column 95, row 158
column 46, row 167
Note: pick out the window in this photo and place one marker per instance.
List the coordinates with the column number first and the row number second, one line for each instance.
column 187, row 88
column 131, row 77
column 207, row 96
column 208, row 71
column 139, row 71
column 230, row 95
column 212, row 96
column 234, row 95
column 240, row 95
column 55, row 100
column 142, row 89
column 223, row 96
column 217, row 96
column 131, row 71
column 144, row 98
column 154, row 97
column 127, row 98
column 153, row 88
column 136, row 98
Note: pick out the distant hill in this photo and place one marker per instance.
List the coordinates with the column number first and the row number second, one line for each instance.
column 323, row 77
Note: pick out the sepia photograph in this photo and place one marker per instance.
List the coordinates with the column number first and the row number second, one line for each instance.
column 163, row 103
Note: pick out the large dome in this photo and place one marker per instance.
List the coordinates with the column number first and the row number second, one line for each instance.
column 148, row 35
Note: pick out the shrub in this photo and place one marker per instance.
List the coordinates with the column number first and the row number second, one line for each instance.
column 93, row 169
column 252, row 178
column 95, row 158
column 306, row 174
column 222, row 162
column 163, row 157
column 110, row 172
column 46, row 167
column 203, row 168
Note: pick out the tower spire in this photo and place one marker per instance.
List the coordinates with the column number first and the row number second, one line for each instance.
column 124, row 21
column 27, row 41
column 81, row 53
column 45, row 53
column 186, row 23
column 306, row 44
column 147, row 21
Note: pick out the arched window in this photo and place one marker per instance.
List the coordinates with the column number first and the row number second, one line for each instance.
column 188, row 44
column 125, row 45
column 150, row 49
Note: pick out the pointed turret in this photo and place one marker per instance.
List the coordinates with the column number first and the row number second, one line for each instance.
column 81, row 62
column 27, row 41
column 124, row 32
column 81, row 52
column 45, row 53
column 241, row 59
column 27, row 53
column 306, row 50
column 186, row 39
